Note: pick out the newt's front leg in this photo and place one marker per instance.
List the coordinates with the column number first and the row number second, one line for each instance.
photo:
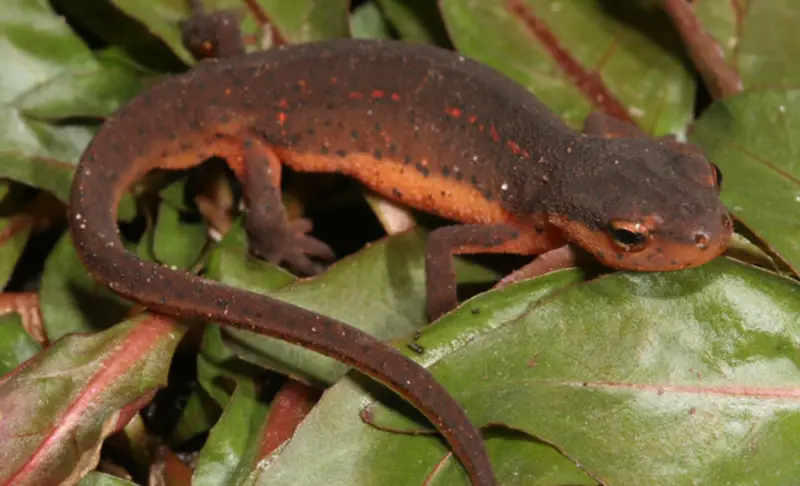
column 444, row 242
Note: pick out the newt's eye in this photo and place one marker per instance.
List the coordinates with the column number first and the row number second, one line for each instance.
column 629, row 236
column 717, row 176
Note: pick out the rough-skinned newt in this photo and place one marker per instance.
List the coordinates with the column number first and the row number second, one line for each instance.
column 420, row 125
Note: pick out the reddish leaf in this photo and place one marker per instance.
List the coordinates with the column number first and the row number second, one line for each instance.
column 59, row 407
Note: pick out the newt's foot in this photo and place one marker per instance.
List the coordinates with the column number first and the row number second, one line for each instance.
column 291, row 248
column 214, row 35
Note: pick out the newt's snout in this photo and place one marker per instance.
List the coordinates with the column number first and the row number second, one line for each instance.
column 649, row 245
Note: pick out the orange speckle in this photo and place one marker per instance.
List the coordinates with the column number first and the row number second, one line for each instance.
column 481, row 128
column 227, row 91
column 517, row 149
column 283, row 103
column 354, row 95
column 378, row 94
column 493, row 133
column 395, row 97
column 473, row 119
column 334, row 80
column 282, row 118
column 454, row 112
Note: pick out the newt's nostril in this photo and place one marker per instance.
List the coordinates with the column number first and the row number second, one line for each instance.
column 701, row 240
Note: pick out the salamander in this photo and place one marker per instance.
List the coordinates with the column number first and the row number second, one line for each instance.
column 423, row 126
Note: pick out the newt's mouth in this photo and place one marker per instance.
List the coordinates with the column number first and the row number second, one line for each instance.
column 660, row 254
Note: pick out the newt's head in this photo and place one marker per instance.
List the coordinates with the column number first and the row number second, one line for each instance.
column 646, row 205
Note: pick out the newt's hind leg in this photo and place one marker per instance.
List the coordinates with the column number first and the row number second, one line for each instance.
column 271, row 236
column 603, row 125
column 212, row 35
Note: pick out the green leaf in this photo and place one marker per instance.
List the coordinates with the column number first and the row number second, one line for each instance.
column 367, row 22
column 127, row 34
column 379, row 290
column 626, row 50
column 94, row 92
column 416, row 21
column 71, row 300
column 175, row 242
column 233, row 444
column 231, row 263
column 199, row 415
column 361, row 454
column 217, row 366
column 95, row 478
column 624, row 368
column 309, row 20
column 758, row 38
column 59, row 408
column 16, row 345
column 160, row 18
column 751, row 138
column 50, row 74
column 525, row 462
column 14, row 234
